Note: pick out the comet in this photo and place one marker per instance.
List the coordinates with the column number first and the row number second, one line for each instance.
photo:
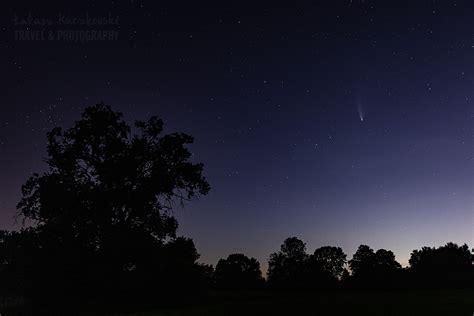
column 361, row 112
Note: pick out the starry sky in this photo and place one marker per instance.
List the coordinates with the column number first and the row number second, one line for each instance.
column 340, row 122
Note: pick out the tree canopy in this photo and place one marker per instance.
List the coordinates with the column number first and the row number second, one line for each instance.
column 287, row 267
column 238, row 271
column 102, row 178
column 450, row 265
column 374, row 268
column 330, row 260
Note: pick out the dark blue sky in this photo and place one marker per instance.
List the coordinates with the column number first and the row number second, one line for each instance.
column 272, row 96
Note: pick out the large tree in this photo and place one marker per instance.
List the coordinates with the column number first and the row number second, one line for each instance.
column 108, row 196
column 101, row 178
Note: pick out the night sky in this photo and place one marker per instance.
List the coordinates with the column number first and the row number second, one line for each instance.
column 340, row 122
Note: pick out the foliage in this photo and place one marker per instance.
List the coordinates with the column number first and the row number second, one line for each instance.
column 238, row 271
column 379, row 269
column 447, row 266
column 330, row 260
column 287, row 267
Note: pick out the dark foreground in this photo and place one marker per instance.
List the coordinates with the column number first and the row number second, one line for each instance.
column 459, row 302
column 341, row 303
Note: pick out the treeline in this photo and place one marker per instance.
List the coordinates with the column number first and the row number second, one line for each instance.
column 446, row 267
column 101, row 228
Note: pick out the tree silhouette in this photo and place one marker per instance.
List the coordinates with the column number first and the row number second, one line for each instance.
column 447, row 266
column 16, row 264
column 287, row 267
column 379, row 269
column 102, row 211
column 331, row 260
column 362, row 262
column 387, row 271
column 325, row 266
column 385, row 261
column 238, row 271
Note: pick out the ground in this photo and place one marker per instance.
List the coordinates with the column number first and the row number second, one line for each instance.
column 459, row 302
column 341, row 303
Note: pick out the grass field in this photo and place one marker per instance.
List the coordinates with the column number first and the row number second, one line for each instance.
column 313, row 303
column 342, row 303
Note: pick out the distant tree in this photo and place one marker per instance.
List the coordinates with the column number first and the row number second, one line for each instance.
column 447, row 266
column 103, row 209
column 362, row 262
column 387, row 271
column 385, row 261
column 325, row 267
column 331, row 260
column 287, row 267
column 379, row 269
column 238, row 271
